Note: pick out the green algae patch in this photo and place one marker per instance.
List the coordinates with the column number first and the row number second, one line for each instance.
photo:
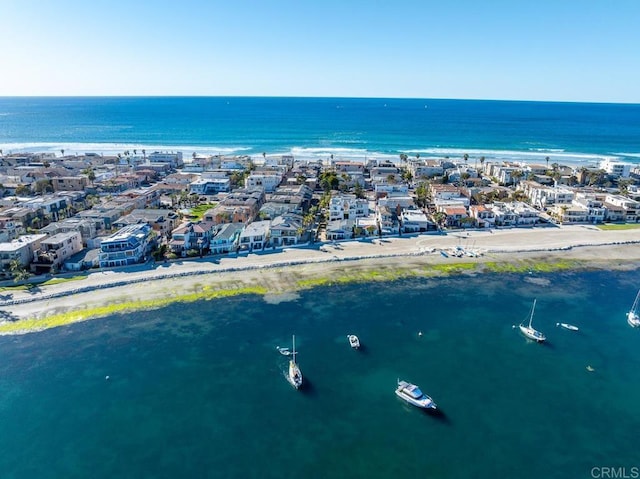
column 450, row 268
column 61, row 280
column 527, row 266
column 618, row 227
column 63, row 319
column 384, row 275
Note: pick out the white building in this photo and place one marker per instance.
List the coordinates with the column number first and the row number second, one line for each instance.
column 54, row 251
column 344, row 207
column 616, row 168
column 128, row 245
column 210, row 186
column 415, row 221
column 20, row 249
column 255, row 235
column 267, row 180
column 173, row 158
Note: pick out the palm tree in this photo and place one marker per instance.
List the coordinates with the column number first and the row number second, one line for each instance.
column 547, row 159
column 144, row 155
column 515, row 176
column 19, row 272
column 466, row 158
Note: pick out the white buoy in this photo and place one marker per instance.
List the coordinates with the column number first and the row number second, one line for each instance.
column 106, row 378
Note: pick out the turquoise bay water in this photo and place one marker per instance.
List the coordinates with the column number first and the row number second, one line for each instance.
column 199, row 391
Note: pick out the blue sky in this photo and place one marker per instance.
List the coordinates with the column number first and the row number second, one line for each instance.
column 561, row 50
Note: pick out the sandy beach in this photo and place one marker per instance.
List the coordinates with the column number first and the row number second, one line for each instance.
column 279, row 274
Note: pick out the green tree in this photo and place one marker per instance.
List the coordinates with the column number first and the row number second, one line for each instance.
column 421, row 194
column 329, row 180
column 19, row 272
column 23, row 190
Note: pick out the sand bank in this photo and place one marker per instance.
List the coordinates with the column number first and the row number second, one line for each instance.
column 276, row 274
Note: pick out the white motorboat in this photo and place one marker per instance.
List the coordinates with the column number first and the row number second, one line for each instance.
column 353, row 341
column 568, row 326
column 294, row 375
column 414, row 396
column 528, row 330
column 633, row 318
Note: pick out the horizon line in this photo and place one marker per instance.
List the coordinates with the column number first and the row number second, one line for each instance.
column 328, row 97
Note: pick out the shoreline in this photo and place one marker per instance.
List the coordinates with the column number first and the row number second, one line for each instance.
column 278, row 275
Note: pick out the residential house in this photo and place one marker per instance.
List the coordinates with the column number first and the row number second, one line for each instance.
column 504, row 214
column 54, row 250
column 86, row 227
column 240, row 206
column 347, row 206
column 83, row 260
column 338, row 230
column 174, row 159
column 129, row 245
column 415, row 221
column 456, row 215
column 382, row 189
column 268, row 180
column 425, row 168
column 161, row 221
column 615, row 168
column 225, row 238
column 191, row 236
column 593, row 206
column 210, row 186
column 20, row 250
column 10, row 229
column 103, row 218
column 69, row 183
column 630, row 207
column 286, row 230
column 255, row 236
column 387, row 218
column 483, row 216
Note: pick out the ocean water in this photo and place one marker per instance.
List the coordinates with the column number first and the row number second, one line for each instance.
column 316, row 128
column 199, row 391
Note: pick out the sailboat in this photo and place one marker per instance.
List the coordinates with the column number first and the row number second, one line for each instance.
column 295, row 375
column 528, row 330
column 633, row 318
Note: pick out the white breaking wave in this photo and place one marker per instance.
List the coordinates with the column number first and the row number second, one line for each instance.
column 538, row 155
column 115, row 148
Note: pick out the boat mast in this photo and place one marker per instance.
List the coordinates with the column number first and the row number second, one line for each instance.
column 533, row 308
column 294, row 348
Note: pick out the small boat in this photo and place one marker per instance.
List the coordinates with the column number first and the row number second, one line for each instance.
column 443, row 253
column 414, row 396
column 633, row 318
column 353, row 341
column 295, row 375
column 283, row 351
column 568, row 326
column 590, row 369
column 528, row 330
